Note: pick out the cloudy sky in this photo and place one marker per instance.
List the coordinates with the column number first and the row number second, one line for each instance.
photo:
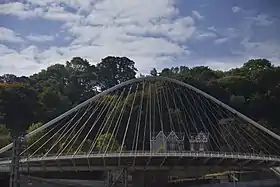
column 160, row 33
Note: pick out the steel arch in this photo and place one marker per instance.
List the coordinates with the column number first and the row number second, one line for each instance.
column 160, row 78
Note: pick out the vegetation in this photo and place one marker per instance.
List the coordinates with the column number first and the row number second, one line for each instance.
column 5, row 135
column 253, row 89
column 161, row 149
column 31, row 141
column 107, row 143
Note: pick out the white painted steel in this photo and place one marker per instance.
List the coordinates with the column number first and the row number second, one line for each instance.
column 2, row 150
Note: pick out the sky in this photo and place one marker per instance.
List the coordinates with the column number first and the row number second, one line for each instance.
column 221, row 34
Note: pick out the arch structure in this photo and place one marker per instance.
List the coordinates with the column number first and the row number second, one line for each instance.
column 150, row 117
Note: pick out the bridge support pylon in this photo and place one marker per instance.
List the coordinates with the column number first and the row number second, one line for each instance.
column 125, row 177
column 109, row 178
column 15, row 175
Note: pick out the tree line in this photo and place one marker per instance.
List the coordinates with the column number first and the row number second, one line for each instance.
column 253, row 89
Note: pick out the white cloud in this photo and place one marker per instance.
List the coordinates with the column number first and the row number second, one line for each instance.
column 5, row 50
column 39, row 38
column 197, row 15
column 225, row 64
column 58, row 13
column 48, row 10
column 150, row 35
column 23, row 11
column 204, row 35
column 261, row 20
column 8, row 35
column 268, row 49
column 236, row 9
column 220, row 40
column 19, row 63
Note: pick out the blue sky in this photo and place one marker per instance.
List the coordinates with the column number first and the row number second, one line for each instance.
column 221, row 34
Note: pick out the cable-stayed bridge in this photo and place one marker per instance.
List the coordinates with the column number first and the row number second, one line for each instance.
column 153, row 124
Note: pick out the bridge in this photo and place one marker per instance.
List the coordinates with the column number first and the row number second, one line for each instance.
column 150, row 128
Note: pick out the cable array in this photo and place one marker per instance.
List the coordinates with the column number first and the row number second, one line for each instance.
column 151, row 115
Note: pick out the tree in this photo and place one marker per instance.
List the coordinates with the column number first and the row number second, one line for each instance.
column 37, row 139
column 115, row 70
column 12, row 79
column 257, row 64
column 203, row 73
column 5, row 136
column 53, row 102
column 51, row 85
column 19, row 107
column 154, row 72
column 254, row 89
column 82, row 80
column 237, row 100
column 107, row 141
column 166, row 72
column 55, row 76
column 161, row 149
column 236, row 85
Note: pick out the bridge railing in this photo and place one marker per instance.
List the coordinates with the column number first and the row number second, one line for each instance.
column 210, row 154
column 166, row 154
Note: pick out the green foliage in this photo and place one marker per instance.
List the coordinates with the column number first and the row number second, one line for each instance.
column 5, row 136
column 19, row 107
column 52, row 98
column 161, row 149
column 257, row 64
column 115, row 70
column 254, row 89
column 82, row 80
column 35, row 138
column 154, row 72
column 107, row 141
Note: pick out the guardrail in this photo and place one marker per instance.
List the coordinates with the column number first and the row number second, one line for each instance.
column 165, row 154
column 151, row 154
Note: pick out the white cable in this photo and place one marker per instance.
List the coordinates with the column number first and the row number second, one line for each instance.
column 189, row 114
column 179, row 116
column 114, row 100
column 160, row 115
column 65, row 125
column 110, row 120
column 103, row 125
column 212, row 125
column 140, row 114
column 91, row 128
column 146, row 119
column 168, row 111
column 128, row 121
column 76, row 136
column 118, row 122
column 66, row 132
column 228, row 131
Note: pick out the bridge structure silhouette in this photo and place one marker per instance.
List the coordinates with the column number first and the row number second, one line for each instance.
column 151, row 128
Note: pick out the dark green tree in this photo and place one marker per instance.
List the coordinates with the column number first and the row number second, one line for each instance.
column 154, row 72
column 5, row 136
column 115, row 70
column 19, row 107
column 36, row 141
column 107, row 140
column 82, row 80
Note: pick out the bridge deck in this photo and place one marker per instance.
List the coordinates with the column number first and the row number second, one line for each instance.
column 146, row 160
